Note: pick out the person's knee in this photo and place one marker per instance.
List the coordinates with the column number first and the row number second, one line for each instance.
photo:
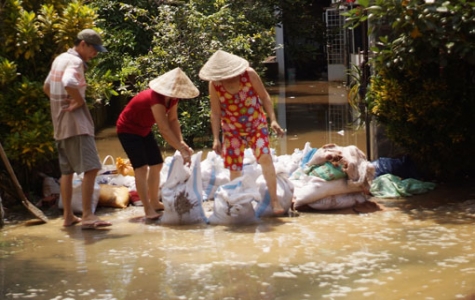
column 156, row 167
column 92, row 172
column 142, row 169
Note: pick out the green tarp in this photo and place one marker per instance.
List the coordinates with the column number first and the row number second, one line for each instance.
column 391, row 186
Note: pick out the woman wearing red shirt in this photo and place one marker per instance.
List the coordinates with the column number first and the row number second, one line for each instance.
column 157, row 105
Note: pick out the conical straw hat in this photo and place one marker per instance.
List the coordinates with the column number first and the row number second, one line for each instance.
column 174, row 84
column 223, row 65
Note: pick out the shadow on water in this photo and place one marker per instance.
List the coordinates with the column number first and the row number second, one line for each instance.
column 415, row 249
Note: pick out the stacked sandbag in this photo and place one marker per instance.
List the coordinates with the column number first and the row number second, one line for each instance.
column 332, row 177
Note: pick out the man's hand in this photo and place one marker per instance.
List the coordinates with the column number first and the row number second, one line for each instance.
column 74, row 100
column 73, row 104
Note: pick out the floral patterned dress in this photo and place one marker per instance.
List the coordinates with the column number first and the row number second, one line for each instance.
column 243, row 122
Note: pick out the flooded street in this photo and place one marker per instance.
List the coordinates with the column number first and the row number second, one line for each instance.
column 420, row 247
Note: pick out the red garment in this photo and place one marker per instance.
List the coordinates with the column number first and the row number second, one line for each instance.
column 241, row 113
column 137, row 117
column 243, row 123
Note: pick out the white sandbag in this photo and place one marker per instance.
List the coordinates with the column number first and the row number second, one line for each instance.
column 249, row 157
column 213, row 174
column 285, row 192
column 76, row 199
column 307, row 154
column 309, row 189
column 323, row 155
column 50, row 186
column 233, row 202
column 353, row 162
column 338, row 201
column 288, row 163
column 164, row 172
column 182, row 192
column 121, row 180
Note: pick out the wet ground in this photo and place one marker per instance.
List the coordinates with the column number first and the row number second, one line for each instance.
column 419, row 247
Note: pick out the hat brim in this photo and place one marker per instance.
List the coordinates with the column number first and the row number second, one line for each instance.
column 99, row 48
column 174, row 84
column 223, row 65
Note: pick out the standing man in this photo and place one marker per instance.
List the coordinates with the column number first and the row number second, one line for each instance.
column 74, row 127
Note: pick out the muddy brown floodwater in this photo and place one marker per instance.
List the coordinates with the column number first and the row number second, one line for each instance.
column 419, row 247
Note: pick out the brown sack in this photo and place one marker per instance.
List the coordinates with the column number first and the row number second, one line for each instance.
column 113, row 196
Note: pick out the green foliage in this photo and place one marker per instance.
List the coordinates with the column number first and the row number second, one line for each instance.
column 157, row 38
column 355, row 99
column 423, row 62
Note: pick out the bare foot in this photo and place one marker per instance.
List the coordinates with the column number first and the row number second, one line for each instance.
column 277, row 209
column 158, row 207
column 95, row 224
column 71, row 221
column 153, row 216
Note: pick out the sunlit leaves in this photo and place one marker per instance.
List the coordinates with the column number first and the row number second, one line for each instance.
column 153, row 39
column 423, row 63
column 8, row 71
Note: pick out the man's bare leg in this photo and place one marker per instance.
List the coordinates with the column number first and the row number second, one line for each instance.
column 66, row 190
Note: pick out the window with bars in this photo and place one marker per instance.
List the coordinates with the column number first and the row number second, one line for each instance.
column 336, row 36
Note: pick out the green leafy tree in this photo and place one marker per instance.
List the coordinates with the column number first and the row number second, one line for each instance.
column 423, row 74
column 157, row 38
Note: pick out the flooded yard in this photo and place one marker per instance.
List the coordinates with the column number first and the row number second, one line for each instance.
column 420, row 247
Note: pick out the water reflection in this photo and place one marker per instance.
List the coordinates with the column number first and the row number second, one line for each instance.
column 387, row 255
column 415, row 253
column 311, row 111
column 315, row 112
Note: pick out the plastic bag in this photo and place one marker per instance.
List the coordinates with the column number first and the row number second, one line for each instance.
column 182, row 193
column 164, row 173
column 50, row 186
column 402, row 167
column 326, row 171
column 124, row 167
column 233, row 202
column 76, row 199
column 309, row 189
column 120, row 180
column 110, row 168
column 307, row 154
column 359, row 171
column 213, row 175
column 391, row 186
column 285, row 192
